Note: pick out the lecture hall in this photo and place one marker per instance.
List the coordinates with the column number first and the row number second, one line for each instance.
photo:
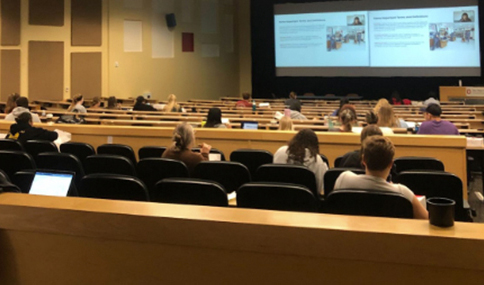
column 241, row 142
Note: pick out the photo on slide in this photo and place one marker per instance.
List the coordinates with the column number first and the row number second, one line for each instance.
column 356, row 20
column 346, row 39
column 464, row 16
column 456, row 37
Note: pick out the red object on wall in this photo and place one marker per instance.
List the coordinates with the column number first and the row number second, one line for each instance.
column 188, row 42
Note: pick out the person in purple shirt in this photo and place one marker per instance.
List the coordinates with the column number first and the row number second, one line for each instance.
column 434, row 125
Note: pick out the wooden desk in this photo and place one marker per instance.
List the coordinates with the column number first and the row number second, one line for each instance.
column 47, row 240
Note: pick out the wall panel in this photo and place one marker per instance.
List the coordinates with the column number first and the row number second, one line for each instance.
column 86, row 74
column 10, row 72
column 46, row 70
column 47, row 12
column 86, row 23
column 10, row 17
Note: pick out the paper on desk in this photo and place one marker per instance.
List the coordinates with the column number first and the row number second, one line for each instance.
column 64, row 137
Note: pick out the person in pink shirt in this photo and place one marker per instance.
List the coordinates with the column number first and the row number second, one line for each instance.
column 245, row 102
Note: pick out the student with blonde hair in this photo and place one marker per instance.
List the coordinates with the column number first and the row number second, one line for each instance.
column 10, row 105
column 76, row 105
column 172, row 106
column 285, row 124
column 386, row 116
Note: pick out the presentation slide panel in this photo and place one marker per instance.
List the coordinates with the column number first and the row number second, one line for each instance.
column 322, row 40
column 437, row 37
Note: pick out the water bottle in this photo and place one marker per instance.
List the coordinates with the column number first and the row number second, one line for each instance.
column 254, row 106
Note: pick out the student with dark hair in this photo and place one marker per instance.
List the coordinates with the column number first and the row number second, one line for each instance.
column 371, row 118
column 377, row 157
column 434, row 125
column 214, row 119
column 23, row 130
column 292, row 102
column 303, row 149
column 245, row 102
column 353, row 159
column 96, row 103
column 342, row 102
column 465, row 18
column 113, row 104
column 347, row 118
column 142, row 105
column 77, row 105
column 22, row 104
column 183, row 142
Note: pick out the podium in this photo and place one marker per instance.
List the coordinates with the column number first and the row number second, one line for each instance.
column 462, row 93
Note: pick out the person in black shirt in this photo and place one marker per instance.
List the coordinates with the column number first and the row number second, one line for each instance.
column 353, row 159
column 142, row 105
column 24, row 130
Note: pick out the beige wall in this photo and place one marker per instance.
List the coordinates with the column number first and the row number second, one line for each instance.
column 187, row 75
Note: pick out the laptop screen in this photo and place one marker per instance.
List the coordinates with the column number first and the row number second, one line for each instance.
column 250, row 125
column 51, row 184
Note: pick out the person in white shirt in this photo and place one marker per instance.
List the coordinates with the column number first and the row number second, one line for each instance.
column 378, row 153
column 22, row 107
column 303, row 149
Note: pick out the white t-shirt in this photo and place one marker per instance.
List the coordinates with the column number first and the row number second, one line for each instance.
column 315, row 165
column 350, row 181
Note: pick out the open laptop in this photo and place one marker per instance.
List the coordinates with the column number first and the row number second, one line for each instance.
column 250, row 125
column 52, row 183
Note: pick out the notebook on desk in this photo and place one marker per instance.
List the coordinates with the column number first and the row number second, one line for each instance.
column 250, row 125
column 52, row 183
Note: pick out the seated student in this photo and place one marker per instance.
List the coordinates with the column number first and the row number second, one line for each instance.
column 353, row 159
column 342, row 102
column 23, row 130
column 377, row 157
column 172, row 106
column 296, row 112
column 386, row 116
column 10, row 105
column 183, row 141
column 285, row 124
column 22, row 107
column 347, row 118
column 303, row 149
column 113, row 104
column 96, row 103
column 214, row 119
column 76, row 105
column 245, row 102
column 292, row 102
column 142, row 105
column 434, row 125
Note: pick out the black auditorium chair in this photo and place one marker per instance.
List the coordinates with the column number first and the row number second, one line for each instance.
column 4, row 177
column 61, row 162
column 418, row 163
column 113, row 187
column 190, row 191
column 288, row 173
column 252, row 158
column 118, row 149
column 332, row 175
column 34, row 147
column 277, row 196
column 212, row 151
column 325, row 159
column 151, row 152
column 13, row 161
column 231, row 175
column 8, row 144
column 369, row 203
column 433, row 184
column 337, row 161
column 111, row 164
column 80, row 150
column 152, row 170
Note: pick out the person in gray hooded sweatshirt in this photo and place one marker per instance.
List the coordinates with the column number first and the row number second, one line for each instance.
column 22, row 107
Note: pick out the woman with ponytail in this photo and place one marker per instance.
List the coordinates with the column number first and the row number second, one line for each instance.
column 76, row 105
column 183, row 141
column 347, row 118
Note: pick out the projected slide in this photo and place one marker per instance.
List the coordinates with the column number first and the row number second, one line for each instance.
column 323, row 39
column 430, row 38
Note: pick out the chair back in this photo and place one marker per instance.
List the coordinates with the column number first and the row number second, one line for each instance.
column 325, row 159
column 80, row 150
column 436, row 184
column 61, row 162
column 369, row 203
column 118, row 149
column 8, row 144
column 153, row 170
column 4, row 177
column 151, row 152
column 231, row 175
column 332, row 175
column 418, row 163
column 337, row 161
column 288, row 173
column 13, row 161
column 252, row 158
column 213, row 151
column 277, row 196
column 6, row 187
column 113, row 187
column 190, row 191
column 34, row 147
column 109, row 164
column 23, row 179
